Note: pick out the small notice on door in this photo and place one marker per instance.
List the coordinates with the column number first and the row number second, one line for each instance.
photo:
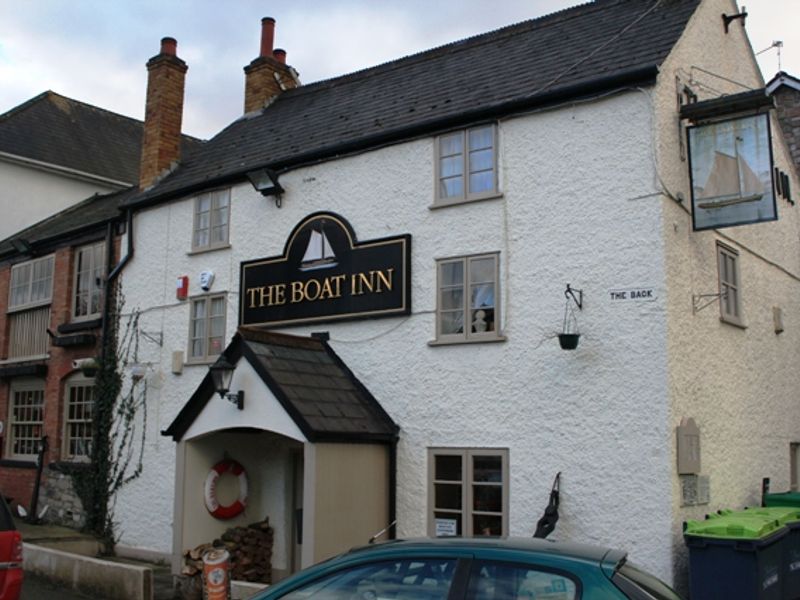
column 446, row 527
column 633, row 294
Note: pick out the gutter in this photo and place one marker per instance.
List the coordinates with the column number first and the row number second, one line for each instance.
column 53, row 168
column 628, row 77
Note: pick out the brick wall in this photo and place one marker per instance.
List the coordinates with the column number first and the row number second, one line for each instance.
column 260, row 84
column 788, row 101
column 17, row 478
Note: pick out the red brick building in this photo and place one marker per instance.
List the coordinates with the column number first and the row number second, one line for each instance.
column 52, row 285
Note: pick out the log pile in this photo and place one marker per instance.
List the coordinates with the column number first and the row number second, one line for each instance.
column 250, row 549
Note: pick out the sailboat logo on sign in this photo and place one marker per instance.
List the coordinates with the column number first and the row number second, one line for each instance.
column 319, row 253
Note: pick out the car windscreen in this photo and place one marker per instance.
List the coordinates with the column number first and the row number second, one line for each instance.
column 6, row 522
column 641, row 586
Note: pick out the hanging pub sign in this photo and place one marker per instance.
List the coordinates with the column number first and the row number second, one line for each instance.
column 325, row 274
column 730, row 165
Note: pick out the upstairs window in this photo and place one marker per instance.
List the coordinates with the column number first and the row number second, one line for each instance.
column 466, row 165
column 211, row 216
column 729, row 290
column 31, row 284
column 89, row 273
column 207, row 328
column 467, row 303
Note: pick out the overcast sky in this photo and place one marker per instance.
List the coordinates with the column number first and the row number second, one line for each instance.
column 95, row 50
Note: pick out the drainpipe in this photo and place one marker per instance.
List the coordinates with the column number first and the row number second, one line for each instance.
column 393, row 488
column 113, row 274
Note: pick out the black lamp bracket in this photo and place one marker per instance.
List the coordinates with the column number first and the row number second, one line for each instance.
column 569, row 292
column 728, row 19
column 236, row 398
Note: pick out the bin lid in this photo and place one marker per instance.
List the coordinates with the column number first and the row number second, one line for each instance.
column 785, row 515
column 783, row 499
column 734, row 526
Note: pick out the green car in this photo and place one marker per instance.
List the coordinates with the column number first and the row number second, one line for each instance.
column 475, row 569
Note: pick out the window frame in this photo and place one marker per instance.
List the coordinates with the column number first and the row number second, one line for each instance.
column 729, row 313
column 28, row 304
column 23, row 386
column 466, row 195
column 467, row 482
column 208, row 298
column 76, row 381
column 467, row 336
column 91, row 248
column 212, row 195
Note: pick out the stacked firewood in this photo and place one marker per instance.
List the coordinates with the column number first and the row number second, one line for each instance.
column 250, row 549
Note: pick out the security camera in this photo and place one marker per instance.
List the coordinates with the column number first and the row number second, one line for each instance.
column 88, row 366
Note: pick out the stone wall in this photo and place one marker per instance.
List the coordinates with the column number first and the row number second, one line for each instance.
column 58, row 493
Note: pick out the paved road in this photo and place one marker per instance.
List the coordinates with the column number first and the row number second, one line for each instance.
column 35, row 588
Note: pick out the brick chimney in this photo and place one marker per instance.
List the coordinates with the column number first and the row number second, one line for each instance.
column 268, row 75
column 161, row 142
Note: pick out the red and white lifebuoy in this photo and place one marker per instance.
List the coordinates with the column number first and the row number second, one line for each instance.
column 210, row 490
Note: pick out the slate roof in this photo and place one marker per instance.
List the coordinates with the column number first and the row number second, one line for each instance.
column 783, row 78
column 317, row 390
column 92, row 213
column 574, row 52
column 57, row 130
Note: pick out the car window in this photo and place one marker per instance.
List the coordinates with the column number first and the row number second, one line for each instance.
column 642, row 586
column 423, row 579
column 6, row 522
column 501, row 581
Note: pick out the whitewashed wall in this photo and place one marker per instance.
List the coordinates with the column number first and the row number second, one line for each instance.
column 575, row 209
column 740, row 385
column 28, row 195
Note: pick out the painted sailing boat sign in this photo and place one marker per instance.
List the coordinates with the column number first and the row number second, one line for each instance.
column 326, row 274
column 731, row 172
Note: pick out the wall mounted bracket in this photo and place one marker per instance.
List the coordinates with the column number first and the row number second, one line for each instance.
column 156, row 337
column 697, row 299
column 728, row 19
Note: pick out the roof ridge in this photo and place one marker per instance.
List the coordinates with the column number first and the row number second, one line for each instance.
column 463, row 44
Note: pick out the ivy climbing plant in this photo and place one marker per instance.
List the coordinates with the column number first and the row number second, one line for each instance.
column 119, row 424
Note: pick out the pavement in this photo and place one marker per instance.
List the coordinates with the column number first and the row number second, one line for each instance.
column 72, row 541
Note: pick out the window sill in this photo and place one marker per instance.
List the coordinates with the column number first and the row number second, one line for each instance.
column 486, row 340
column 199, row 362
column 18, row 463
column 23, row 359
column 437, row 204
column 208, row 249
column 70, row 466
column 80, row 325
column 733, row 323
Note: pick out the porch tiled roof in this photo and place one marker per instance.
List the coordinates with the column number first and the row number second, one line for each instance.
column 314, row 386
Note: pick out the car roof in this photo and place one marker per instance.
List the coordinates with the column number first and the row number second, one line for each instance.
column 532, row 548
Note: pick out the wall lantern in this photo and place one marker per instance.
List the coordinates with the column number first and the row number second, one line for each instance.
column 88, row 366
column 569, row 336
column 266, row 181
column 222, row 374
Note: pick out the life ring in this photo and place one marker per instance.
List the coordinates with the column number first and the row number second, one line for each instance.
column 210, row 490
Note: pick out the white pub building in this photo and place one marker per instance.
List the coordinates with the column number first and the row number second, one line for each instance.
column 558, row 247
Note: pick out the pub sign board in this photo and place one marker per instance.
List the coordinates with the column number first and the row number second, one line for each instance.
column 326, row 274
column 730, row 163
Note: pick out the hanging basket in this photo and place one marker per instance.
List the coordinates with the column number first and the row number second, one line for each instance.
column 568, row 341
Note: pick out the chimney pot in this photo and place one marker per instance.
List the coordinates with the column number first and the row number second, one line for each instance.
column 267, row 36
column 169, row 46
column 279, row 54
